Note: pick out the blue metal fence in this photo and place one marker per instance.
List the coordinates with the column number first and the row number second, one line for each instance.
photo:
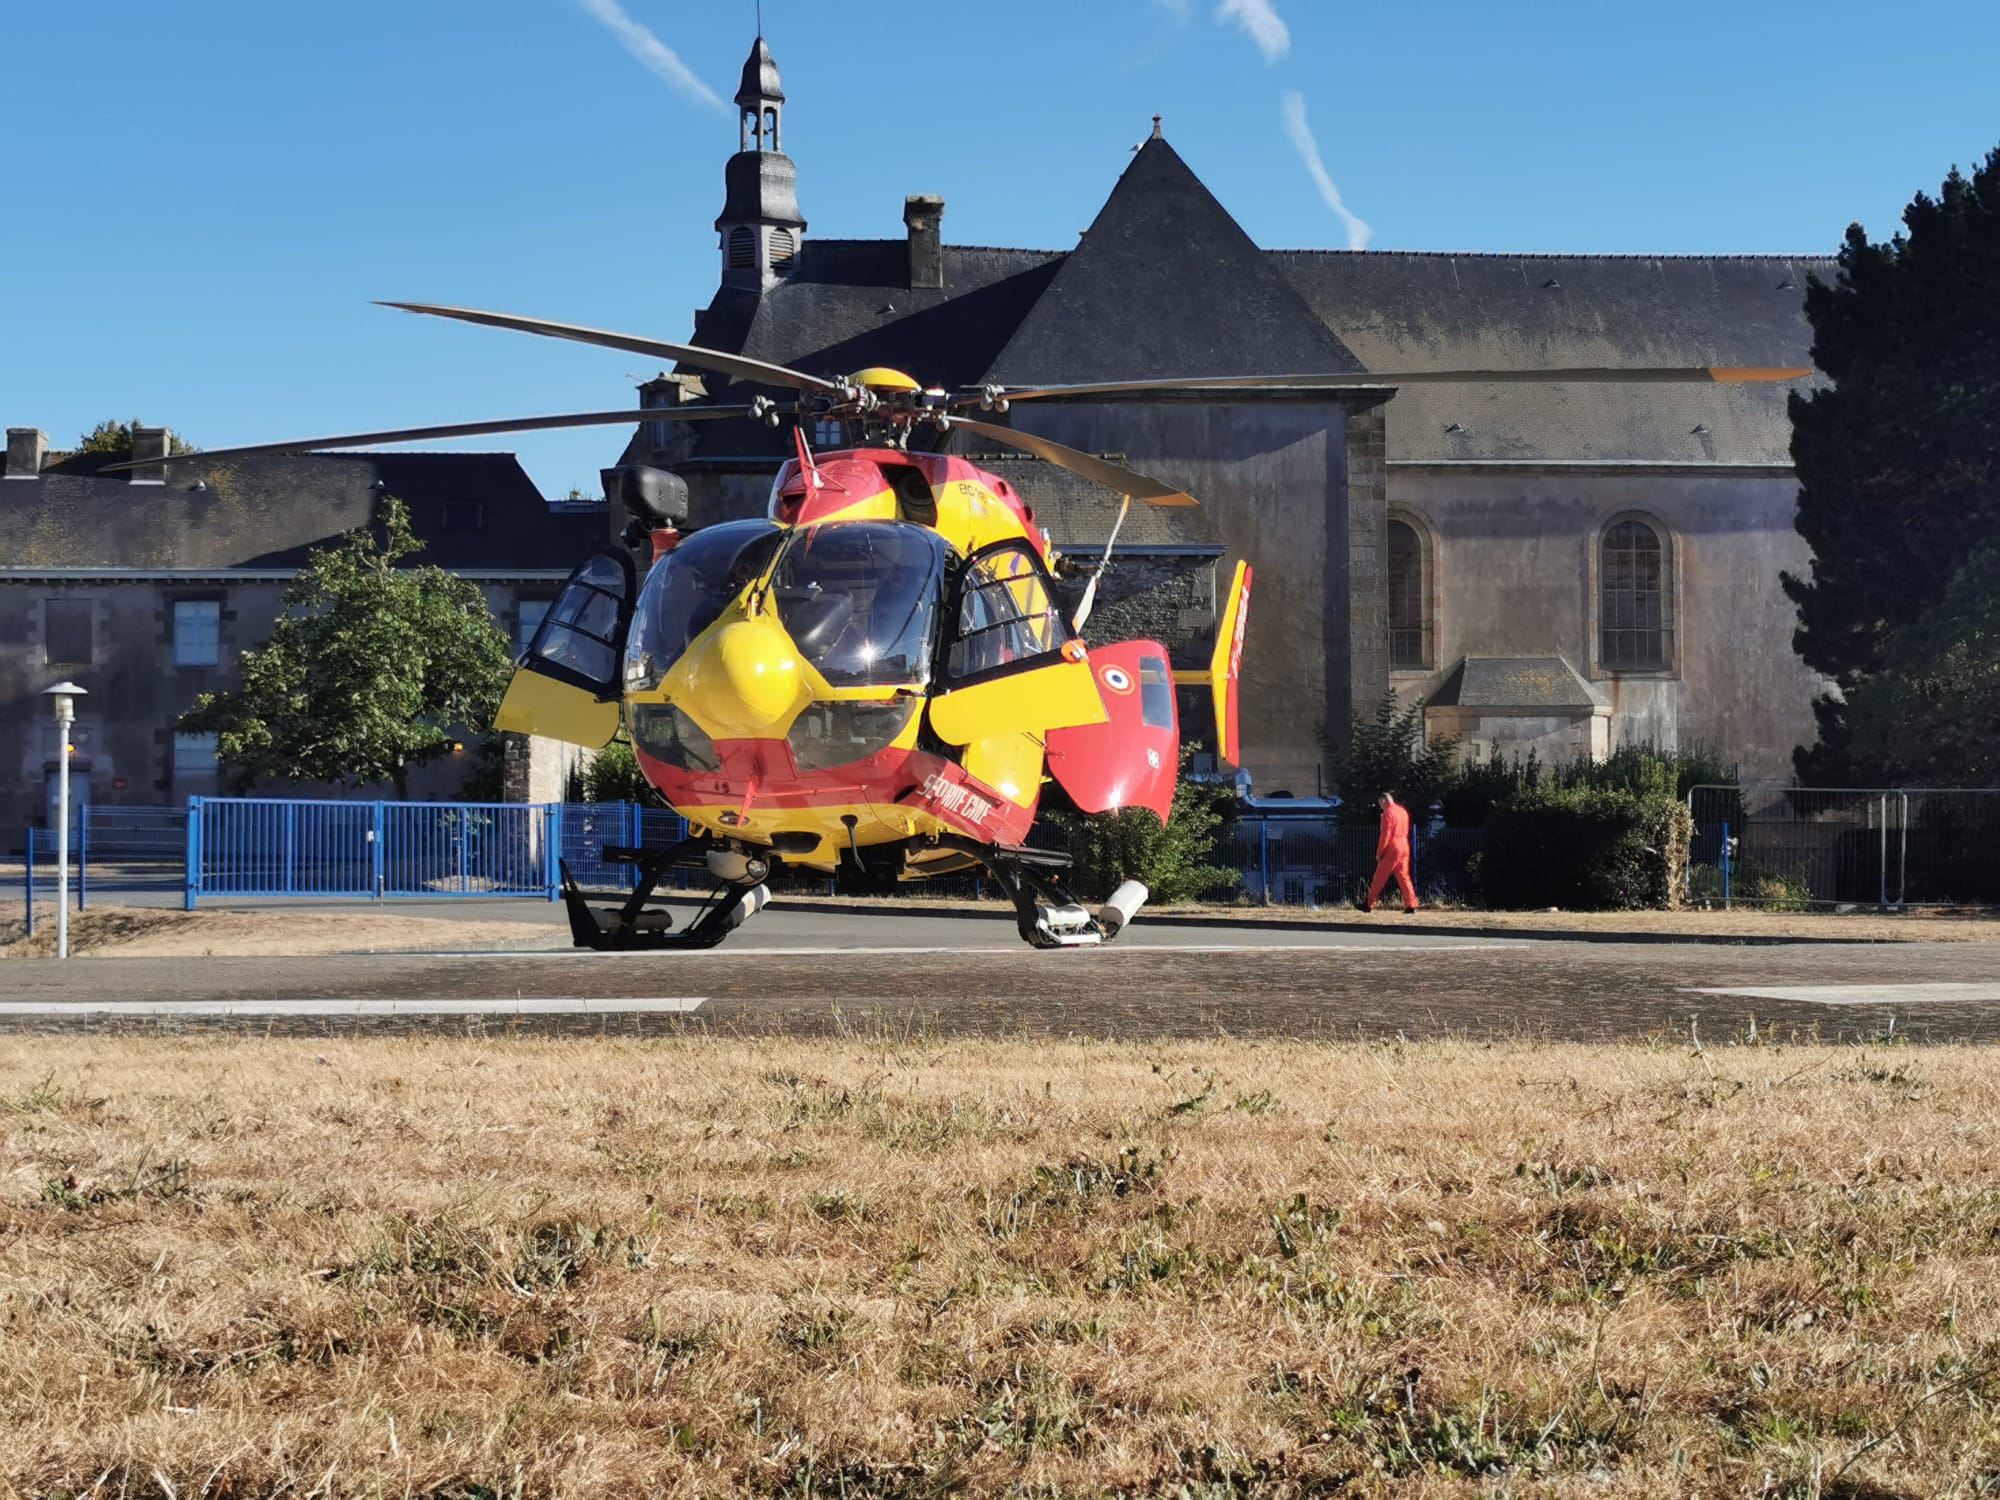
column 253, row 846
column 588, row 827
column 1293, row 861
column 232, row 847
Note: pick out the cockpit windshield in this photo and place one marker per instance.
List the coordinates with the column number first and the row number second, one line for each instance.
column 860, row 598
column 687, row 589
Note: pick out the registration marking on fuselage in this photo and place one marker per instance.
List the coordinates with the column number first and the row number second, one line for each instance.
column 679, row 1005
column 1866, row 994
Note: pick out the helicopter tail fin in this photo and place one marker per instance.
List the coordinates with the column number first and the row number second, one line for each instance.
column 1225, row 666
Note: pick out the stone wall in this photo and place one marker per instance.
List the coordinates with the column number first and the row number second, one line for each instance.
column 1516, row 572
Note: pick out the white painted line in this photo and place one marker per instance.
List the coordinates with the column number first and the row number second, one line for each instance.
column 1866, row 994
column 678, row 955
column 562, row 1006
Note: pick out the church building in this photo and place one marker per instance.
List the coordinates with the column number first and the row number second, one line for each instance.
column 1563, row 567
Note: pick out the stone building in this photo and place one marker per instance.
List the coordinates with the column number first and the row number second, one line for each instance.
column 145, row 586
column 1604, row 556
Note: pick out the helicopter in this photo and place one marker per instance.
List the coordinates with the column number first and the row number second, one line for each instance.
column 876, row 676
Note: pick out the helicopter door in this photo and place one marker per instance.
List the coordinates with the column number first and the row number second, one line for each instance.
column 568, row 683
column 1012, row 664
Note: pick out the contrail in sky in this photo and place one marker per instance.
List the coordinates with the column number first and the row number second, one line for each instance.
column 658, row 57
column 1259, row 19
column 1358, row 233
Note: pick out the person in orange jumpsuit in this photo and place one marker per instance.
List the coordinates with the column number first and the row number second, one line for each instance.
column 1392, row 854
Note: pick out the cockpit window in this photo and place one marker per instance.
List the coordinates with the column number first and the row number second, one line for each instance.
column 687, row 589
column 860, row 598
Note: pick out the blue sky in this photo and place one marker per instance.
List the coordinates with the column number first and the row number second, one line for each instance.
column 205, row 196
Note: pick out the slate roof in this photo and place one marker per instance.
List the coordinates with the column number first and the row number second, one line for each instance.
column 1166, row 284
column 268, row 511
column 846, row 305
column 1419, row 311
column 1530, row 683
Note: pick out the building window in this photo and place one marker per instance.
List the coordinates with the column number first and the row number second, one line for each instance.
column 783, row 247
column 1635, row 633
column 197, row 632
column 1411, row 593
column 1406, row 598
column 529, row 614
column 742, row 248
column 69, row 632
column 194, row 755
column 464, row 515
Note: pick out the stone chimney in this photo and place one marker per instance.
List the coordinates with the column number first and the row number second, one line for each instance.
column 923, row 215
column 149, row 446
column 26, row 448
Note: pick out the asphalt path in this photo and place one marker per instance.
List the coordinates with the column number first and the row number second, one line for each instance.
column 801, row 971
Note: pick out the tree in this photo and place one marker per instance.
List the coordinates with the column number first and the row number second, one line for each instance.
column 1931, row 715
column 1387, row 752
column 1898, row 457
column 367, row 672
column 1176, row 861
column 114, row 440
column 613, row 775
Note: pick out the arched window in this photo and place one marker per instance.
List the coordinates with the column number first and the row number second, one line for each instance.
column 742, row 248
column 1634, row 623
column 1406, row 597
column 770, row 129
column 783, row 247
column 1412, row 594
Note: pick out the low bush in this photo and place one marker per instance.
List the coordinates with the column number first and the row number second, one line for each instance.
column 1177, row 862
column 1586, row 849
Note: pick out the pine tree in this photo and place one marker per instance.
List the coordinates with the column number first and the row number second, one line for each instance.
column 1898, row 457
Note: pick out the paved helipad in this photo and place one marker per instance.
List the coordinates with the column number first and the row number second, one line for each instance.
column 816, row 972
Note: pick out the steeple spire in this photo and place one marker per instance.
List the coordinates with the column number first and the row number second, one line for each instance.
column 760, row 223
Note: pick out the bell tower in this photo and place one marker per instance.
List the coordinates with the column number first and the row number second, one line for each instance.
column 760, row 224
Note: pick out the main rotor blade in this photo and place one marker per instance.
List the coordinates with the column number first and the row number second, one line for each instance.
column 1594, row 374
column 736, row 366
column 450, row 430
column 1089, row 465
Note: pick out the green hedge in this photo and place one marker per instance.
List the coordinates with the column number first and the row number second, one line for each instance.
column 1585, row 849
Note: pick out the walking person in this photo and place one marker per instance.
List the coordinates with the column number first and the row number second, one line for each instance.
column 1392, row 853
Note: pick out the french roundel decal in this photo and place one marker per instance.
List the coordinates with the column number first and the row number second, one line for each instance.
column 1116, row 679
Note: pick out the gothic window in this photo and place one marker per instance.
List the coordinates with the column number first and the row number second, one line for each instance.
column 742, row 248
column 1635, row 630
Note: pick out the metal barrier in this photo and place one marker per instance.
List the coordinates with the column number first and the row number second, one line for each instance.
column 1818, row 846
column 112, row 849
column 1292, row 861
column 253, row 846
column 587, row 827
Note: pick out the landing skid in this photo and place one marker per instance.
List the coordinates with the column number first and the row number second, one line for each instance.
column 632, row 925
column 1045, row 914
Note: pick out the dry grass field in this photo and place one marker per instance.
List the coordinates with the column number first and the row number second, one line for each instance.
column 868, row 1267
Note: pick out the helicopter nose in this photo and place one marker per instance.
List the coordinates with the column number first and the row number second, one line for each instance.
column 745, row 683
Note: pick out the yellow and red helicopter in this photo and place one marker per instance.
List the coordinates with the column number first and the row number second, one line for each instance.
column 877, row 674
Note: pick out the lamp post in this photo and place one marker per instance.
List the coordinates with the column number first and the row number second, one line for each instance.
column 62, row 701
